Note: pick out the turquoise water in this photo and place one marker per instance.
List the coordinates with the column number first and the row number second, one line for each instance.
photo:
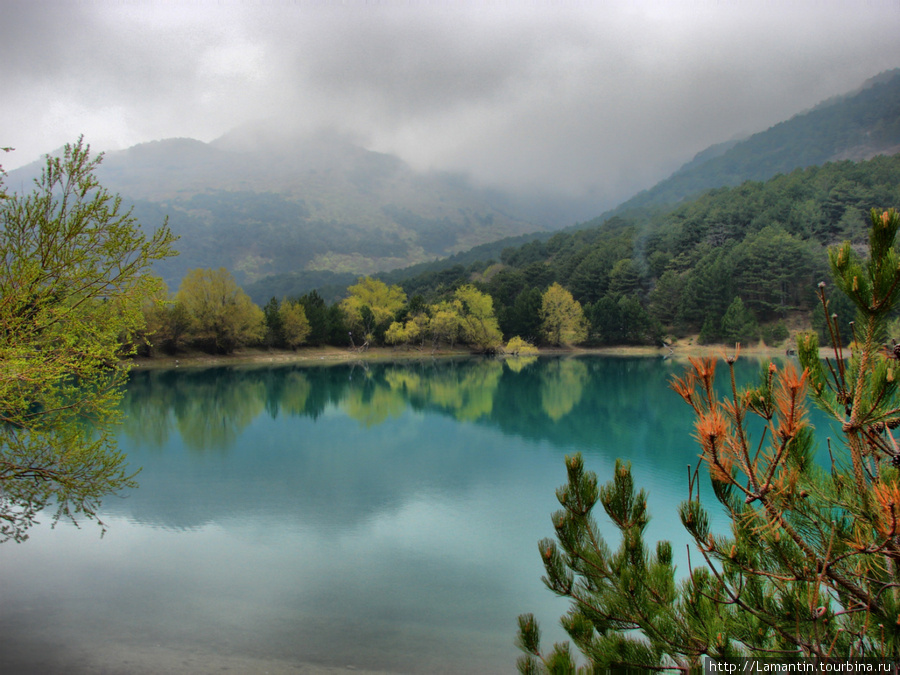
column 381, row 517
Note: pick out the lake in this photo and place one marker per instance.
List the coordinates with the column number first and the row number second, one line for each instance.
column 379, row 517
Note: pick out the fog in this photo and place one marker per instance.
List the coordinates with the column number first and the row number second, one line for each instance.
column 582, row 98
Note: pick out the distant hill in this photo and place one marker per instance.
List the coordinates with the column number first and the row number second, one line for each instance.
column 264, row 205
column 682, row 251
column 858, row 126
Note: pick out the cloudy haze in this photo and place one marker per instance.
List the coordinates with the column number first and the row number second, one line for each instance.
column 600, row 97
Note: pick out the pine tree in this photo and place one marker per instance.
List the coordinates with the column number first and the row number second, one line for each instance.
column 739, row 324
column 811, row 566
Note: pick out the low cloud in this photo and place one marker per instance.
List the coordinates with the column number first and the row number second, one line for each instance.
column 576, row 97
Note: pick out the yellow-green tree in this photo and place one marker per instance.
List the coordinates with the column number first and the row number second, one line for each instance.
column 409, row 331
column 444, row 323
column 562, row 319
column 222, row 316
column 167, row 323
column 294, row 324
column 74, row 275
column 155, row 310
column 371, row 303
column 519, row 347
column 477, row 321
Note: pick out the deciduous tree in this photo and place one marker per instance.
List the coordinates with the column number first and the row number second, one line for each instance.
column 294, row 325
column 562, row 319
column 477, row 321
column 444, row 323
column 383, row 303
column 74, row 274
column 222, row 316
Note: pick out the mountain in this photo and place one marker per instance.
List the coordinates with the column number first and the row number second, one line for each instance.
column 859, row 125
column 748, row 219
column 264, row 204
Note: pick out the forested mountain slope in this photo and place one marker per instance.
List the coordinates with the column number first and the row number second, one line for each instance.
column 734, row 263
column 859, row 125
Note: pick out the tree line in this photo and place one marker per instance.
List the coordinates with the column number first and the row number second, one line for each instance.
column 212, row 313
column 733, row 264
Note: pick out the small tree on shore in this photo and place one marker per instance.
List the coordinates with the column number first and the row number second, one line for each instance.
column 811, row 565
column 222, row 316
column 562, row 319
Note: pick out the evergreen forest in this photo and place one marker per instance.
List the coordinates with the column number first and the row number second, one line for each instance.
column 734, row 264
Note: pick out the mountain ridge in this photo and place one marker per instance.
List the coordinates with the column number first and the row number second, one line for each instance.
column 858, row 125
column 263, row 204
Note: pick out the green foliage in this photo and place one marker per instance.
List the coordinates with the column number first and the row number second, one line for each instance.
column 773, row 270
column 685, row 264
column 74, row 279
column 811, row 561
column 519, row 347
column 524, row 317
column 293, row 323
column 665, row 297
column 739, row 324
column 445, row 323
column 775, row 334
column 709, row 333
column 317, row 314
column 410, row 331
column 286, row 323
column 371, row 306
column 478, row 325
column 562, row 319
column 274, row 323
column 622, row 320
column 222, row 316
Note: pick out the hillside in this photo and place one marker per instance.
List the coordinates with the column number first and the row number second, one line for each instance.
column 858, row 125
column 262, row 205
column 733, row 264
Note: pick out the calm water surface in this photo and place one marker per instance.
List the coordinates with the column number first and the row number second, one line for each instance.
column 376, row 517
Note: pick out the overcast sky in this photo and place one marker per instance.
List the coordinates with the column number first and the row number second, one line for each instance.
column 599, row 96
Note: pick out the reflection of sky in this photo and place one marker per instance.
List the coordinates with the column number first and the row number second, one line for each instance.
column 423, row 563
column 406, row 545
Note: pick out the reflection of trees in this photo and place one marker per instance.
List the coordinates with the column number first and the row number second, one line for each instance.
column 562, row 385
column 519, row 363
column 295, row 393
column 610, row 406
column 466, row 391
column 147, row 407
column 615, row 405
column 211, row 415
column 373, row 403
column 209, row 408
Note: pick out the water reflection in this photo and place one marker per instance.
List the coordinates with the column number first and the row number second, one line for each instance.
column 281, row 510
column 562, row 385
column 210, row 408
column 352, row 441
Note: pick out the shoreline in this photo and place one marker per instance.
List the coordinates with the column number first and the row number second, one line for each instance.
column 309, row 356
